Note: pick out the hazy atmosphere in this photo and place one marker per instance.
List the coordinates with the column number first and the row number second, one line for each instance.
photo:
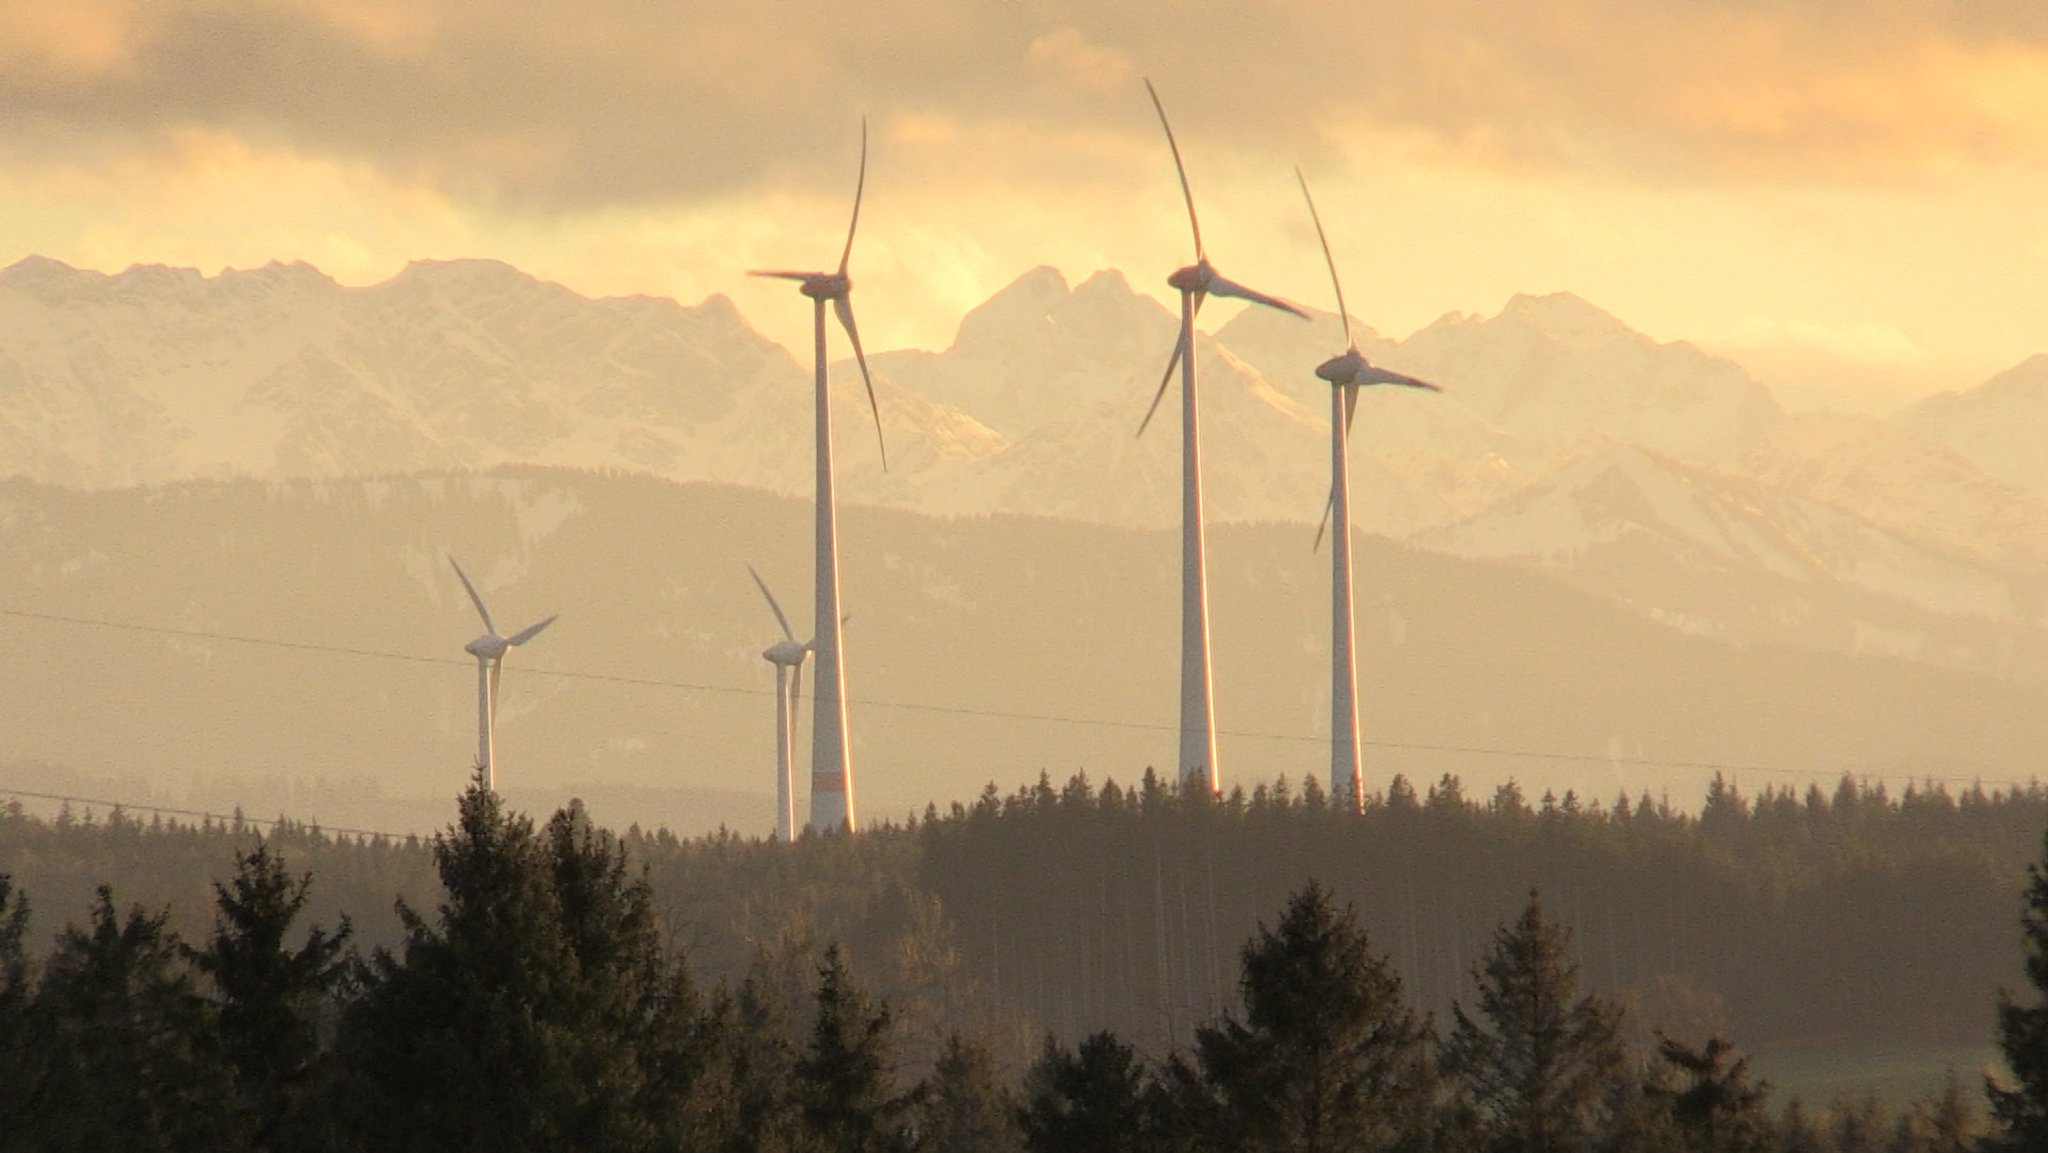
column 1700, row 556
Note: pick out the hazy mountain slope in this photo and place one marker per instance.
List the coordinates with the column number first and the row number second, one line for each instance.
column 1999, row 424
column 980, row 648
column 1731, row 558
column 1908, row 483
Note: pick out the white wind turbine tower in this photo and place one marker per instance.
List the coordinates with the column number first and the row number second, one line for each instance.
column 489, row 651
column 831, row 753
column 787, row 655
column 1346, row 374
column 1195, row 283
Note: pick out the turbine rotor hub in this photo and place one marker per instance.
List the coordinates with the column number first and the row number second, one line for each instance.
column 1345, row 369
column 1194, row 278
column 490, row 646
column 827, row 285
column 785, row 653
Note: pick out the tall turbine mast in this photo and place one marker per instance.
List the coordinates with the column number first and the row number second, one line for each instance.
column 831, row 755
column 489, row 651
column 787, row 655
column 1195, row 283
column 1346, row 374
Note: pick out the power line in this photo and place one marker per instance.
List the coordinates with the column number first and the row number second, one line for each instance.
column 997, row 714
column 200, row 814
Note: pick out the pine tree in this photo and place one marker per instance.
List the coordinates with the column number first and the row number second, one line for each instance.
column 1092, row 1100
column 962, row 1109
column 2021, row 1108
column 271, row 998
column 1536, row 1062
column 846, row 1083
column 1328, row 1056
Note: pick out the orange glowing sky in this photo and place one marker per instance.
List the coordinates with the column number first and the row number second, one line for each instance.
column 1845, row 196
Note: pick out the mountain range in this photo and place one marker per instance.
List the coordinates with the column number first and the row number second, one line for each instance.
column 1655, row 478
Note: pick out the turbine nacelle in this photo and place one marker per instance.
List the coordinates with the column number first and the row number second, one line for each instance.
column 837, row 288
column 489, row 647
column 816, row 285
column 1194, row 278
column 1201, row 279
column 786, row 653
column 1352, row 370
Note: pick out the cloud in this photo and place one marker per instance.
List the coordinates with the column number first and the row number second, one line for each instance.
column 539, row 107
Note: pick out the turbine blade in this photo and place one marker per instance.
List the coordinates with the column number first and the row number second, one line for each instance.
column 782, row 273
column 1350, row 407
column 1377, row 375
column 1172, row 362
column 859, row 186
column 1335, row 283
column 844, row 308
column 779, row 618
column 1328, row 507
column 473, row 598
column 1178, row 167
column 1223, row 287
column 530, row 631
column 796, row 693
column 493, row 695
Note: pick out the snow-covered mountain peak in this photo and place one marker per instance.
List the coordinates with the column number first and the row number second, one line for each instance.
column 1563, row 317
column 475, row 273
column 1024, row 305
column 47, row 280
column 718, row 308
column 1555, row 368
column 1105, row 282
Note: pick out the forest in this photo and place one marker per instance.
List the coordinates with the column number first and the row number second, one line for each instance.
column 1063, row 967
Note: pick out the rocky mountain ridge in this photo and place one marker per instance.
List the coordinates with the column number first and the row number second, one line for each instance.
column 1562, row 433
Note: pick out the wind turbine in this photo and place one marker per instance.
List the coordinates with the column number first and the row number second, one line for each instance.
column 1346, row 374
column 831, row 755
column 489, row 651
column 787, row 655
column 1195, row 283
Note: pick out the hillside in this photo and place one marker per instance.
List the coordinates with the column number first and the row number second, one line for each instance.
column 312, row 660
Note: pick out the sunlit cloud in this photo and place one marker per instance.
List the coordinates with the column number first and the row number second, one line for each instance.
column 1858, row 168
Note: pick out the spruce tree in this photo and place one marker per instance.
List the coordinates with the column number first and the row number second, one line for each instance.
column 134, row 1059
column 2021, row 1108
column 1328, row 1055
column 450, row 1045
column 20, row 1049
column 534, row 1012
column 962, row 1109
column 757, row 1110
column 1091, row 1100
column 271, row 997
column 846, row 1082
column 1535, row 1063
column 1714, row 1104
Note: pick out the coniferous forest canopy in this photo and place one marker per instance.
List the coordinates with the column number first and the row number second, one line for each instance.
column 1064, row 967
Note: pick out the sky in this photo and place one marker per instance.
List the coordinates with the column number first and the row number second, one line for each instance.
column 1845, row 195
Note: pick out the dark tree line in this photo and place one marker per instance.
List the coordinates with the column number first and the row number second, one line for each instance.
column 541, row 999
column 1839, row 916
